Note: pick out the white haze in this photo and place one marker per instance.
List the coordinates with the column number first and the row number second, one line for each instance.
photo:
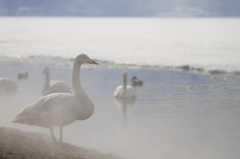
column 176, row 114
column 182, row 115
column 202, row 42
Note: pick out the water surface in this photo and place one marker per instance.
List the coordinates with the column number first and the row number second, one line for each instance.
column 176, row 114
column 211, row 43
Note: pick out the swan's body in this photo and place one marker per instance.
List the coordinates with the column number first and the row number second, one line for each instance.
column 125, row 91
column 53, row 86
column 136, row 82
column 60, row 109
column 7, row 85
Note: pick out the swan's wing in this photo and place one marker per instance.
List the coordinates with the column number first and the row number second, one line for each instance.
column 118, row 92
column 59, row 86
column 131, row 91
column 51, row 110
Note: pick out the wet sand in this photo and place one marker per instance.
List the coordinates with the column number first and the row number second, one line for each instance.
column 18, row 144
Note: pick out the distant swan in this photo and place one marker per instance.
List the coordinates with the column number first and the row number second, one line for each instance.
column 23, row 75
column 60, row 109
column 136, row 82
column 53, row 86
column 125, row 91
column 7, row 86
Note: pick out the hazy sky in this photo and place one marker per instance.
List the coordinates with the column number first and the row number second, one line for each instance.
column 202, row 8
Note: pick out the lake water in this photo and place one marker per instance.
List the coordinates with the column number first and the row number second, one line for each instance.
column 177, row 114
column 211, row 43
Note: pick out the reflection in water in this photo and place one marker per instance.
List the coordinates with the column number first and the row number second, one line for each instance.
column 124, row 103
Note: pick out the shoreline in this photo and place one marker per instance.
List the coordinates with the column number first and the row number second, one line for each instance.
column 15, row 143
column 53, row 60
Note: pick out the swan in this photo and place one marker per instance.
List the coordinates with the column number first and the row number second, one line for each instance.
column 136, row 82
column 60, row 109
column 23, row 75
column 7, row 85
column 53, row 86
column 125, row 91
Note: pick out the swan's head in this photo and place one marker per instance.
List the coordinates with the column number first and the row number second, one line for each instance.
column 83, row 58
column 124, row 74
column 134, row 78
column 45, row 70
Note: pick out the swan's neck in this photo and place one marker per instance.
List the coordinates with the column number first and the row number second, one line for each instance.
column 124, row 83
column 47, row 80
column 87, row 106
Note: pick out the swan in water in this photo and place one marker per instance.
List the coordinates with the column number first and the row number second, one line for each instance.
column 7, row 86
column 136, row 82
column 23, row 75
column 125, row 91
column 60, row 109
column 53, row 86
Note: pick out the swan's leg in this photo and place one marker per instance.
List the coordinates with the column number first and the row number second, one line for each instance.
column 60, row 133
column 52, row 135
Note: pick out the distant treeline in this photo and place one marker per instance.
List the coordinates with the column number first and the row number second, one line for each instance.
column 161, row 8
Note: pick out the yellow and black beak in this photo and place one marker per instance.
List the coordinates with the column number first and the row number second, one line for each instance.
column 124, row 77
column 91, row 61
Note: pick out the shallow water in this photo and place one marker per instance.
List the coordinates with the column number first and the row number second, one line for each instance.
column 176, row 114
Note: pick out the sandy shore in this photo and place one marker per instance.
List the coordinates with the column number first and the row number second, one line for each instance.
column 18, row 144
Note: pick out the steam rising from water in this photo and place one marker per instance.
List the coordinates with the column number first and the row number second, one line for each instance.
column 176, row 114
column 187, row 108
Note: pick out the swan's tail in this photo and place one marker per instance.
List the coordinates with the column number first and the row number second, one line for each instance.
column 22, row 118
column 29, row 120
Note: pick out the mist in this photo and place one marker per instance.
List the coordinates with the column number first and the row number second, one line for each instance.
column 167, row 119
column 188, row 106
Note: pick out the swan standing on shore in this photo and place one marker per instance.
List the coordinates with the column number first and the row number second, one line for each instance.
column 125, row 91
column 60, row 109
column 53, row 86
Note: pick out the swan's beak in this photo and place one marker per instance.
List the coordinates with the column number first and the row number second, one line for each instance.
column 91, row 61
column 124, row 78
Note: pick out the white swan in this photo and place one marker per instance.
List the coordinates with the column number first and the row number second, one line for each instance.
column 125, row 91
column 60, row 109
column 53, row 86
column 7, row 86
